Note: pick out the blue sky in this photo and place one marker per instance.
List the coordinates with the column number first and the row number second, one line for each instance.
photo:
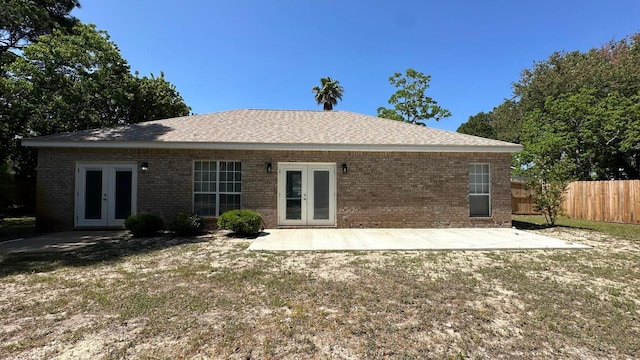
column 233, row 54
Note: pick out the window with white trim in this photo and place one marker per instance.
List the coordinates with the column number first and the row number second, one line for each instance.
column 479, row 190
column 217, row 187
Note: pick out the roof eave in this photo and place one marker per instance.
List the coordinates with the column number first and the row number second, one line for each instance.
column 510, row 148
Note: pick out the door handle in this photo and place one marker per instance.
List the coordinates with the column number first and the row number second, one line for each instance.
column 104, row 197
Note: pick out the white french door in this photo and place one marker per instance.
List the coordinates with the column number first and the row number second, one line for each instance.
column 105, row 194
column 306, row 194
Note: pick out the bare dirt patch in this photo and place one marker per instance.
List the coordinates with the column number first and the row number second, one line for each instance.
column 209, row 297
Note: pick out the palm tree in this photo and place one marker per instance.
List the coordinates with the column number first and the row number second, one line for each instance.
column 329, row 93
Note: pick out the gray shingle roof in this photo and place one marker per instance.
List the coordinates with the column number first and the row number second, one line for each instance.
column 276, row 129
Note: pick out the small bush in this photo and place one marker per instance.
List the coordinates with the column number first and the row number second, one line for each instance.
column 245, row 222
column 186, row 224
column 142, row 225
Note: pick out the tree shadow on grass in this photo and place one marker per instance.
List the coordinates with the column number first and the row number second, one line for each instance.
column 103, row 251
column 524, row 225
column 18, row 227
column 233, row 235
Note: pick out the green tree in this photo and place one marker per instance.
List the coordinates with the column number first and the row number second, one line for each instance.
column 579, row 136
column 156, row 98
column 613, row 67
column 479, row 125
column 577, row 115
column 75, row 80
column 328, row 93
column 503, row 123
column 410, row 102
column 67, row 81
column 23, row 21
column 545, row 163
column 507, row 120
column 592, row 96
column 581, row 120
column 601, row 132
column 7, row 189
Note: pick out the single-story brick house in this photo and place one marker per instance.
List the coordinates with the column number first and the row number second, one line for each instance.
column 297, row 168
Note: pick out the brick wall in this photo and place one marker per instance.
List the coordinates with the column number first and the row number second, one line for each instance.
column 381, row 189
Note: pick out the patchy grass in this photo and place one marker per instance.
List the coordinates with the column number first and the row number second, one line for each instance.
column 624, row 231
column 15, row 228
column 211, row 298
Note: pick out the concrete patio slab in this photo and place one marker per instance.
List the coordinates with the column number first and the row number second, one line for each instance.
column 406, row 239
column 331, row 240
column 60, row 241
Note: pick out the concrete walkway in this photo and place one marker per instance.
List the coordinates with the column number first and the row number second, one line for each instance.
column 59, row 241
column 406, row 239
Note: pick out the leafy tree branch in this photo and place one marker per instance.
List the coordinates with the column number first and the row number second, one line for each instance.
column 410, row 102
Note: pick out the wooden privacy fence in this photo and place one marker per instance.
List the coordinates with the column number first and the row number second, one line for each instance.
column 611, row 201
column 521, row 199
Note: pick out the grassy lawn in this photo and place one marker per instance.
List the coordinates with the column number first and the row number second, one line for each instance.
column 624, row 231
column 14, row 228
column 209, row 297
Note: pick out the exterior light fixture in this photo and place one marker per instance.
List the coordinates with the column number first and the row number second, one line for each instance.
column 344, row 168
column 269, row 167
column 144, row 166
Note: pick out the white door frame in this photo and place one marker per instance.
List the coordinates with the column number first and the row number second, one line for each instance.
column 307, row 194
column 108, row 208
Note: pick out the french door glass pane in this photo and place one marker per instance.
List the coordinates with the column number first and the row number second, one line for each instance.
column 294, row 209
column 320, row 195
column 294, row 195
column 93, row 195
column 123, row 194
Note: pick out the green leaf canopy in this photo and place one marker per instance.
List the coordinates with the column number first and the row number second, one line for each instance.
column 410, row 102
column 75, row 80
